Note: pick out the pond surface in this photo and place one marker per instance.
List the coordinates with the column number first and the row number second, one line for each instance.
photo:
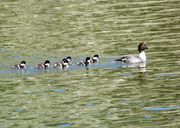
column 108, row 95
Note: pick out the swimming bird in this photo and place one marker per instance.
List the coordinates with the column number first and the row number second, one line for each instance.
column 57, row 65
column 46, row 64
column 95, row 58
column 62, row 64
column 65, row 63
column 22, row 65
column 133, row 59
column 69, row 59
column 86, row 62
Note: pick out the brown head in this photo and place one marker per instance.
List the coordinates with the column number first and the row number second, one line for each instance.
column 142, row 46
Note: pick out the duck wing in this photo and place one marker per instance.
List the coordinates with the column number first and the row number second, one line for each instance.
column 130, row 59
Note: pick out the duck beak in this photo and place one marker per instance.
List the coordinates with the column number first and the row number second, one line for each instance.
column 146, row 47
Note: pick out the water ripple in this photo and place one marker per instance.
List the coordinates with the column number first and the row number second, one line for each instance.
column 162, row 108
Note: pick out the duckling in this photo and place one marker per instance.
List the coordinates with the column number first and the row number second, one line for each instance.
column 22, row 65
column 86, row 62
column 46, row 64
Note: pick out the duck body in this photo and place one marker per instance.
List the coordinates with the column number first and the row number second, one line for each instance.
column 134, row 59
column 95, row 59
column 45, row 65
column 22, row 65
column 86, row 62
column 63, row 64
column 57, row 65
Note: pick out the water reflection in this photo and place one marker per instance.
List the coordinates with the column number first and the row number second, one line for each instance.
column 18, row 71
column 143, row 75
column 141, row 67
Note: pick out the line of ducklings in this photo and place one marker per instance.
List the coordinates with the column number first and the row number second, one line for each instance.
column 127, row 59
column 63, row 64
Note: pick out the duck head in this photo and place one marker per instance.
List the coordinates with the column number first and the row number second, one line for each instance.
column 142, row 46
column 88, row 60
column 69, row 59
column 47, row 63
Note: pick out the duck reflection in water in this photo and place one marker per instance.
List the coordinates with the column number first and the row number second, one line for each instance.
column 143, row 73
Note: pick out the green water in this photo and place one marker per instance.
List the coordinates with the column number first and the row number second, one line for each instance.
column 105, row 96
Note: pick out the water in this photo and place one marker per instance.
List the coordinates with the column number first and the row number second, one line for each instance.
column 107, row 95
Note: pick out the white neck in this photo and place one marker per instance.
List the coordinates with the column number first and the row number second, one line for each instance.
column 23, row 65
column 47, row 64
column 142, row 55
